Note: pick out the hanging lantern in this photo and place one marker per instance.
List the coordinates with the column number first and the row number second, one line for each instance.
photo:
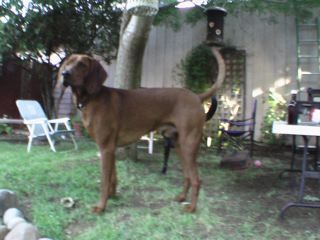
column 143, row 7
column 215, row 22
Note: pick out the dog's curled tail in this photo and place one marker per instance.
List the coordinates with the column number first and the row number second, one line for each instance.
column 212, row 109
column 221, row 75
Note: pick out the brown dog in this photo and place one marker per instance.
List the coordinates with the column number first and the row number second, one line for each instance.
column 117, row 117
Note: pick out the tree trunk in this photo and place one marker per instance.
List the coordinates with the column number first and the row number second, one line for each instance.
column 133, row 39
column 134, row 35
column 46, row 73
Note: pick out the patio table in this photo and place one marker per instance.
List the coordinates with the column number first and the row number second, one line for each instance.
column 305, row 130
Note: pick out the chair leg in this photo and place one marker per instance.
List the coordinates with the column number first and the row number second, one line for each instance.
column 251, row 145
column 220, row 143
column 31, row 130
column 74, row 141
column 251, row 148
column 150, row 143
column 67, row 126
column 29, row 144
column 51, row 142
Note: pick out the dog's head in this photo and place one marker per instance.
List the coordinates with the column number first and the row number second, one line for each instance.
column 82, row 71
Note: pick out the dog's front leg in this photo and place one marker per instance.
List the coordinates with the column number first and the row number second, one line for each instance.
column 113, row 184
column 107, row 167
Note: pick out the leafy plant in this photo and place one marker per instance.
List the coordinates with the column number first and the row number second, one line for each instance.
column 197, row 68
column 76, row 118
column 277, row 111
column 5, row 129
column 38, row 31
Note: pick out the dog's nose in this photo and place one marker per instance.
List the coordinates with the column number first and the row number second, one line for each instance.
column 66, row 74
column 65, row 80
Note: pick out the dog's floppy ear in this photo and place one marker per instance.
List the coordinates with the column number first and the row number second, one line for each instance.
column 95, row 78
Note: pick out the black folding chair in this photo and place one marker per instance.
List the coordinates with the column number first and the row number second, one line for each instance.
column 238, row 132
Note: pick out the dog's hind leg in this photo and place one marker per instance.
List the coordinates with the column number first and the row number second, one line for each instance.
column 195, row 186
column 189, row 147
column 113, row 185
column 186, row 182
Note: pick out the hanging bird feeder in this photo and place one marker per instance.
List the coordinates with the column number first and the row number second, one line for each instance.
column 215, row 23
column 143, row 7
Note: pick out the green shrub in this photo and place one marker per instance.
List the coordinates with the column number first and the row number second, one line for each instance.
column 199, row 68
column 277, row 111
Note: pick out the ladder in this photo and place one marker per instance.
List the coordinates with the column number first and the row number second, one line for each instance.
column 308, row 53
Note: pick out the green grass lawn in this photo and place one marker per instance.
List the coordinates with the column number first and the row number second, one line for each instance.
column 232, row 204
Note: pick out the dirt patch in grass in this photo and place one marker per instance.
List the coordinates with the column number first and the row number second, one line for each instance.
column 77, row 228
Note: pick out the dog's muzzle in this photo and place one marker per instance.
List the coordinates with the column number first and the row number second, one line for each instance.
column 65, row 80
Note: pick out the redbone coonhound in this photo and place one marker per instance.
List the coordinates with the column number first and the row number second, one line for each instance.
column 117, row 117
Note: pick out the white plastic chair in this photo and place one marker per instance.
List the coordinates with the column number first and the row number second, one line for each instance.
column 150, row 140
column 40, row 126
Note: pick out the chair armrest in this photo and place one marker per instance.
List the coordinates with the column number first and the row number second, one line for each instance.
column 59, row 120
column 225, row 120
column 238, row 123
column 242, row 123
column 55, row 123
column 35, row 121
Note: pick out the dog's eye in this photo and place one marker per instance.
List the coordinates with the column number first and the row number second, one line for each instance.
column 81, row 64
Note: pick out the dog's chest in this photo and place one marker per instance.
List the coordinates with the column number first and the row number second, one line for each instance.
column 87, row 121
column 94, row 122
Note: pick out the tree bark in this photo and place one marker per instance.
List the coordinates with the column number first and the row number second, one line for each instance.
column 133, row 39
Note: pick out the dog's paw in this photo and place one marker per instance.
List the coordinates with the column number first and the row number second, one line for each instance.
column 180, row 198
column 112, row 194
column 97, row 209
column 189, row 209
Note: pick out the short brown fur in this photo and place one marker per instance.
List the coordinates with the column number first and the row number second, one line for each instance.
column 117, row 117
